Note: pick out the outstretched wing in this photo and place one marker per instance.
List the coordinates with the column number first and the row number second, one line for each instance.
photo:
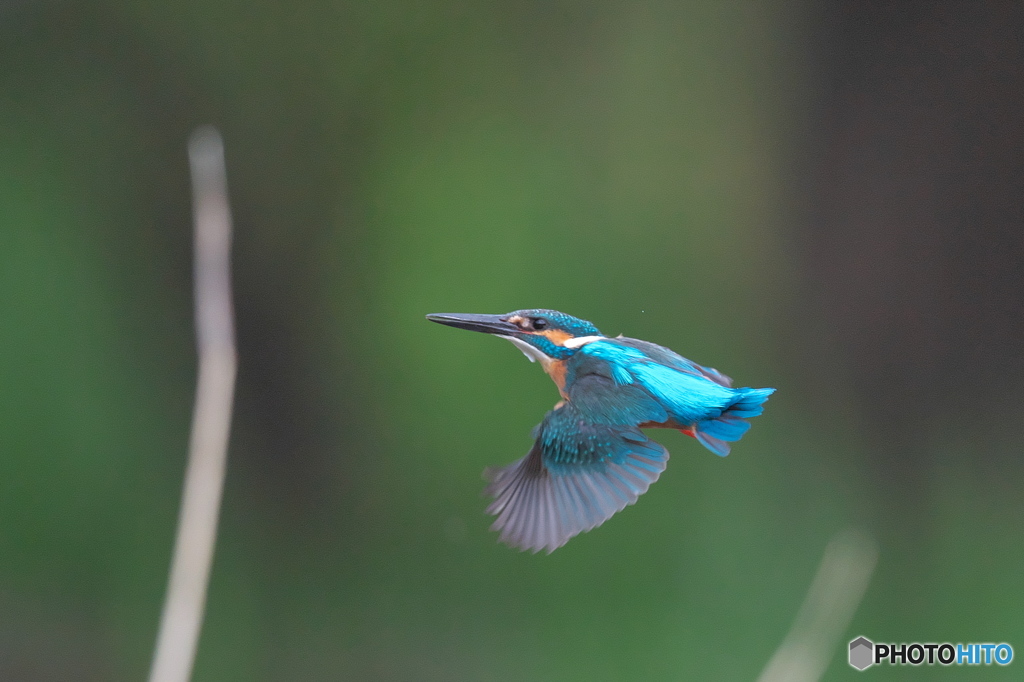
column 588, row 462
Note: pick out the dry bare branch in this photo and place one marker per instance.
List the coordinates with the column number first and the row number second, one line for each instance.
column 182, row 616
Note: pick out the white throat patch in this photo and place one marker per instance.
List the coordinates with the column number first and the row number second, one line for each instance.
column 531, row 353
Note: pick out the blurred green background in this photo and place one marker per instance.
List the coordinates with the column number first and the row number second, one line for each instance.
column 824, row 198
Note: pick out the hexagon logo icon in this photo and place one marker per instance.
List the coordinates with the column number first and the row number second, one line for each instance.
column 862, row 653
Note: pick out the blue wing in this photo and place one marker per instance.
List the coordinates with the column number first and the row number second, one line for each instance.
column 692, row 395
column 664, row 356
column 580, row 471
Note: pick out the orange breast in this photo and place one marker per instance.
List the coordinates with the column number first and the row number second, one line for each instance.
column 556, row 370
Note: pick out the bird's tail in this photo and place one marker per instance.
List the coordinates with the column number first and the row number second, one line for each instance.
column 716, row 434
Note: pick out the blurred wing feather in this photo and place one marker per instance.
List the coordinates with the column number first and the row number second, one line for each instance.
column 577, row 475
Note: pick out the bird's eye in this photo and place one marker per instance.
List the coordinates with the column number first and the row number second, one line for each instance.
column 539, row 323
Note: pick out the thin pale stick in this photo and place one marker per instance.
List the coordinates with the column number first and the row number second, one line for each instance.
column 182, row 617
column 831, row 601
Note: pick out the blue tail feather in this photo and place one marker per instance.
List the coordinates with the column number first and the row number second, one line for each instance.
column 716, row 434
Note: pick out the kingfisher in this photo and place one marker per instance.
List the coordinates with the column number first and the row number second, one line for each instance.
column 589, row 458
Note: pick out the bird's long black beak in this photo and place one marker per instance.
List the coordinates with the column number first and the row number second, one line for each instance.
column 489, row 324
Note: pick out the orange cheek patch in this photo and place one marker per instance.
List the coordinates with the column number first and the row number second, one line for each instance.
column 556, row 336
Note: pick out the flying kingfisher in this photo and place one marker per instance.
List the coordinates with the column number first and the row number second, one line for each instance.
column 589, row 458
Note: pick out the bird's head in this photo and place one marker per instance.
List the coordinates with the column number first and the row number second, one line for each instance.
column 544, row 335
